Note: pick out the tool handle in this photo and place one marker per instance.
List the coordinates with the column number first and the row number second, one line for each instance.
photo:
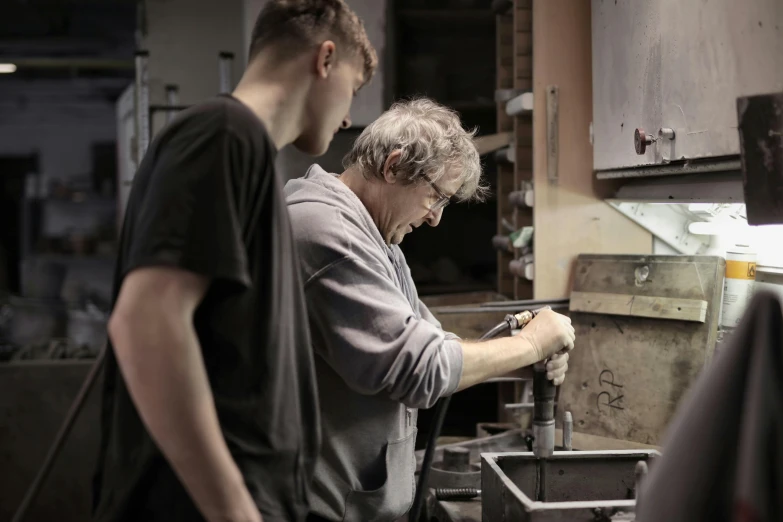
column 457, row 493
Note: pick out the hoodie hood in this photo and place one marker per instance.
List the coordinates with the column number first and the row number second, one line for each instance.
column 325, row 188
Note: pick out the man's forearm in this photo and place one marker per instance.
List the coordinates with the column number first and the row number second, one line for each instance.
column 161, row 362
column 484, row 360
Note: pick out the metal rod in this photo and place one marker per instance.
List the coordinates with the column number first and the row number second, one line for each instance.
column 526, row 303
column 568, row 431
column 172, row 100
column 142, row 96
column 640, row 472
column 448, row 310
column 519, row 406
column 60, row 438
column 225, row 63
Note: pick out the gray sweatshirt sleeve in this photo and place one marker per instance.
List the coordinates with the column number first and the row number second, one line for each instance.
column 429, row 317
column 365, row 329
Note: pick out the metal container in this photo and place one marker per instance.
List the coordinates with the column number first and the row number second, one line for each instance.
column 581, row 486
column 738, row 284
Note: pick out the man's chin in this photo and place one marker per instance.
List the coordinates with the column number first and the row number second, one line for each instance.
column 310, row 148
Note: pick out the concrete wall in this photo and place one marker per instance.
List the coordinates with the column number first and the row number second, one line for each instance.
column 184, row 38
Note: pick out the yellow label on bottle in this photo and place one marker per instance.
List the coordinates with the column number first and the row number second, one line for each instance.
column 741, row 270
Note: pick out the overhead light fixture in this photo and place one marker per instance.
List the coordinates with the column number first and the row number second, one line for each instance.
column 7, row 68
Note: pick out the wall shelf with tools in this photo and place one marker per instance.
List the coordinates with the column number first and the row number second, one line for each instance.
column 549, row 210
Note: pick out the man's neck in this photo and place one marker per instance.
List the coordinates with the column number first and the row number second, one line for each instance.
column 276, row 95
column 368, row 191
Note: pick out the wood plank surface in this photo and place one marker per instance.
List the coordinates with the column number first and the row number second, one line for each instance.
column 570, row 217
column 639, row 306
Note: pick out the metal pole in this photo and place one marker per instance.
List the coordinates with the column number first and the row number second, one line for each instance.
column 142, row 95
column 172, row 100
column 225, row 63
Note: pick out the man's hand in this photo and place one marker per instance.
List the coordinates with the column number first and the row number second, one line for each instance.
column 548, row 333
column 557, row 367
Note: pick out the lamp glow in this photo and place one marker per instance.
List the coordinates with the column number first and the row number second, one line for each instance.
column 7, row 68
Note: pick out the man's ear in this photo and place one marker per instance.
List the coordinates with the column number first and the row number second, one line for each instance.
column 326, row 59
column 390, row 172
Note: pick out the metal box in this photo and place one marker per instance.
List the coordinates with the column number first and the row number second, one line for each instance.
column 581, row 486
column 680, row 65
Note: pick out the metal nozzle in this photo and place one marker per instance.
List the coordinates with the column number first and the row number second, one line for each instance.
column 522, row 318
column 568, row 431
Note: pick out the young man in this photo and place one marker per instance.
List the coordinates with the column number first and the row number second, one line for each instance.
column 380, row 353
column 210, row 409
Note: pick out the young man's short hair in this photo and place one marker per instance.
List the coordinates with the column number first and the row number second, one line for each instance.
column 291, row 26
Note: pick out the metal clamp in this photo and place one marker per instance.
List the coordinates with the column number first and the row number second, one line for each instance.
column 552, row 133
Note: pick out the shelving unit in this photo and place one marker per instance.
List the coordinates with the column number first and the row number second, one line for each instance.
column 443, row 50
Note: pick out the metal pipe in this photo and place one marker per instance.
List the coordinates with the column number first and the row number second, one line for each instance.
column 488, row 309
column 172, row 100
column 142, row 105
column 225, row 63
column 526, row 303
column 60, row 438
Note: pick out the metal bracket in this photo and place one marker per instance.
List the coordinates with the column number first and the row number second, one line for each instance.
column 667, row 222
column 552, row 133
column 142, row 105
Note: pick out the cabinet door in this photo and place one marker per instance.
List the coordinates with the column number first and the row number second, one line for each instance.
column 626, row 79
column 712, row 53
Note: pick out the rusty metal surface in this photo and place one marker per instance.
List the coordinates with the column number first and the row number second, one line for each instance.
column 580, row 485
column 34, row 398
column 761, row 144
column 627, row 374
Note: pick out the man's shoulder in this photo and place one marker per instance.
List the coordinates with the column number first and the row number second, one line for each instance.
column 220, row 116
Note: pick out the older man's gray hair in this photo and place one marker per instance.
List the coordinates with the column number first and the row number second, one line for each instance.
column 432, row 140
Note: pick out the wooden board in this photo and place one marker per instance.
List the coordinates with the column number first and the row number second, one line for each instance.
column 504, row 55
column 627, row 375
column 639, row 306
column 586, row 442
column 570, row 218
column 523, row 135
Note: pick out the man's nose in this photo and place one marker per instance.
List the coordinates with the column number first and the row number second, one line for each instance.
column 346, row 122
column 433, row 218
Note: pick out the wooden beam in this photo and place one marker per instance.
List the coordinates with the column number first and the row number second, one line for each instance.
column 570, row 218
column 694, row 310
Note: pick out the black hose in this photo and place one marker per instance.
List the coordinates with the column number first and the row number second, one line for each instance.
column 432, row 438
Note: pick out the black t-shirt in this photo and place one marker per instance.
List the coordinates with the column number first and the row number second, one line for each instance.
column 206, row 199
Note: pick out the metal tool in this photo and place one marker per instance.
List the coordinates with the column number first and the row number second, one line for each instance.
column 509, row 323
column 544, row 394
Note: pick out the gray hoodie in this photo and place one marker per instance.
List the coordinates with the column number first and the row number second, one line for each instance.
column 380, row 353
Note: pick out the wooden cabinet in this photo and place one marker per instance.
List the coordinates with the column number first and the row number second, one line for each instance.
column 679, row 65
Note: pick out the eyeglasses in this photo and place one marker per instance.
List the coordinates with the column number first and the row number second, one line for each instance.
column 443, row 199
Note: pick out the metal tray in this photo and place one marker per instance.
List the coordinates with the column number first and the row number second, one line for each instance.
column 581, row 486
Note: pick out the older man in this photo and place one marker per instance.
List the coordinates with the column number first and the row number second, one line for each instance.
column 380, row 354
